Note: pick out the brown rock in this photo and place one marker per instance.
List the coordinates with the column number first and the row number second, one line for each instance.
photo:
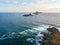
column 52, row 39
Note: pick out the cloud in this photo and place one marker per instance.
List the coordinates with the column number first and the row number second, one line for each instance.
column 9, row 3
column 41, row 4
column 30, row 5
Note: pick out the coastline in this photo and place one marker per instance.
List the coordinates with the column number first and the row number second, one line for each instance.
column 53, row 38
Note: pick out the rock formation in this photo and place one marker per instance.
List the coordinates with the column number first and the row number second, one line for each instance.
column 27, row 14
column 53, row 38
column 37, row 12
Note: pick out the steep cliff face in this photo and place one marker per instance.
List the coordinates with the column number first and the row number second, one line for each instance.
column 53, row 38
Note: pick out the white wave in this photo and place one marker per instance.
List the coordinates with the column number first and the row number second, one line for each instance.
column 40, row 35
column 37, row 43
column 28, row 32
column 30, row 39
column 7, row 35
column 34, row 30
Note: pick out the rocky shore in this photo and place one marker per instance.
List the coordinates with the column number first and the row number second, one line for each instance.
column 53, row 38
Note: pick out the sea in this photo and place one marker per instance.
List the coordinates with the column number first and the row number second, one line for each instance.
column 16, row 29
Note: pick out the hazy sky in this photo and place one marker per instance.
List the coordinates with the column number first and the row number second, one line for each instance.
column 28, row 5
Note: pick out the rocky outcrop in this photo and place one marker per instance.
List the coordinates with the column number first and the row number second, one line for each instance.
column 37, row 12
column 53, row 30
column 27, row 14
column 31, row 14
column 53, row 38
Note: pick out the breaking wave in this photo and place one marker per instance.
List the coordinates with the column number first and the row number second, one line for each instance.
column 34, row 34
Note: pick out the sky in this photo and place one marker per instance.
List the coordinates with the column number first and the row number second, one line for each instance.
column 29, row 5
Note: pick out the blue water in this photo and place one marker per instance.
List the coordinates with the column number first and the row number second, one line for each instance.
column 15, row 29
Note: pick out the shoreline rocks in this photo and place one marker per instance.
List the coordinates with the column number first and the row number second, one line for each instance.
column 53, row 38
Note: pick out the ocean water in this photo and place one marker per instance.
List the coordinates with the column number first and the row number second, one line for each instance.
column 15, row 29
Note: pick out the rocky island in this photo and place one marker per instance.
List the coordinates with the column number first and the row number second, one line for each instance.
column 37, row 12
column 27, row 14
column 31, row 14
